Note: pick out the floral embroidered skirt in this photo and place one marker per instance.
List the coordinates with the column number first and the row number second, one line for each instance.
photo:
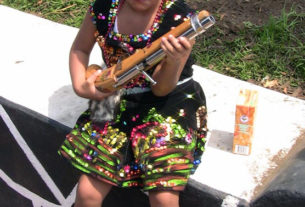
column 155, row 143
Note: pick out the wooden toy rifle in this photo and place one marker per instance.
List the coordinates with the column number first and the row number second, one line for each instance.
column 118, row 75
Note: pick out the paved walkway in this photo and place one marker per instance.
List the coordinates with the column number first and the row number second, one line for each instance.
column 34, row 74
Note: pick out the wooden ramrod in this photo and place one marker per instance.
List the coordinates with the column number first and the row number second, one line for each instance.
column 120, row 74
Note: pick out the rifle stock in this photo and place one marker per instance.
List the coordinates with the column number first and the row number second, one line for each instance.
column 120, row 74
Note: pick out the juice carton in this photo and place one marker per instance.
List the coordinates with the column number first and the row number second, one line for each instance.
column 246, row 108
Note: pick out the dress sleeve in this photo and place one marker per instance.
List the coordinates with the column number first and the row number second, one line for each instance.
column 99, row 11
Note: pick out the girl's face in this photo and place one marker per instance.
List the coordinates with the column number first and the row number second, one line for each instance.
column 143, row 5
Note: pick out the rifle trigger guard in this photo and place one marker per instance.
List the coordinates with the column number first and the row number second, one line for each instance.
column 150, row 79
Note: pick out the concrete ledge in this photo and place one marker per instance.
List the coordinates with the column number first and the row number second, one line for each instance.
column 288, row 186
column 42, row 137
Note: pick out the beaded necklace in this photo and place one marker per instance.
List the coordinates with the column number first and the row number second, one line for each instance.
column 139, row 37
column 115, row 7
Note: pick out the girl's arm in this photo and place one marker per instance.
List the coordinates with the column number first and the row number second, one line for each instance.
column 79, row 59
column 167, row 73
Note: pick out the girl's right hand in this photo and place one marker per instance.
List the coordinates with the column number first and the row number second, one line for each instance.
column 88, row 89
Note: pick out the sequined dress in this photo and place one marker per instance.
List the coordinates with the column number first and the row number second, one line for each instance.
column 154, row 143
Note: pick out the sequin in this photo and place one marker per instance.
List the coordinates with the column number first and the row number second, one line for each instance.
column 127, row 169
column 181, row 112
column 196, row 162
column 177, row 17
column 122, row 173
column 188, row 138
column 101, row 16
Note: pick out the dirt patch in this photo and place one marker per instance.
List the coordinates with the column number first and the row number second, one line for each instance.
column 281, row 162
column 231, row 15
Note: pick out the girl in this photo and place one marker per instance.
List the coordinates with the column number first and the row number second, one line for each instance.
column 157, row 136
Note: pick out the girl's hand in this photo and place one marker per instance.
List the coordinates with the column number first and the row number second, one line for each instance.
column 88, row 89
column 176, row 49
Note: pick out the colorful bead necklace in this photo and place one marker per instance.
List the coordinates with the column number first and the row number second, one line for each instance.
column 165, row 4
column 126, row 39
column 115, row 7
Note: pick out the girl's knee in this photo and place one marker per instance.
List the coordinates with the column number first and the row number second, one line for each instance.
column 91, row 192
column 164, row 198
column 86, row 191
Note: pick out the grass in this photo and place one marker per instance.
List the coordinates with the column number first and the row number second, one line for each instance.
column 275, row 50
column 69, row 12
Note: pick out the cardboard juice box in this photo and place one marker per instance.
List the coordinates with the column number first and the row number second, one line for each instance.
column 246, row 108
